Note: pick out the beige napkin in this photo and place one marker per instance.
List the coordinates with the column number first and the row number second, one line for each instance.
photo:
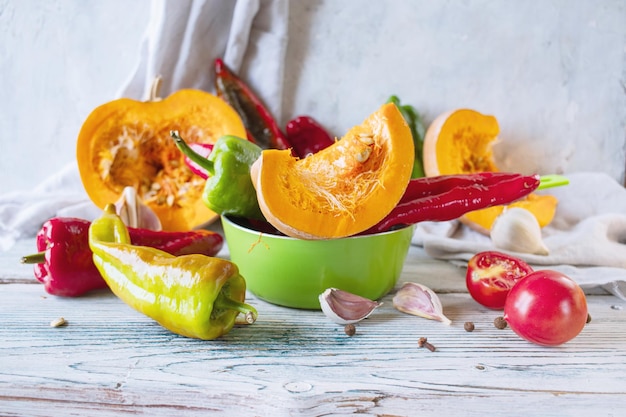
column 586, row 239
column 182, row 40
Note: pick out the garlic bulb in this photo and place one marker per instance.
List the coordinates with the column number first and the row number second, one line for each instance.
column 343, row 307
column 517, row 230
column 134, row 213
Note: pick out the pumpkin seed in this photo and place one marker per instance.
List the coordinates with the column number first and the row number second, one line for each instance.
column 363, row 155
column 58, row 322
column 366, row 138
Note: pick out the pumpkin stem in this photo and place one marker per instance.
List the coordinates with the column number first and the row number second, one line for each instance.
column 155, row 89
column 190, row 153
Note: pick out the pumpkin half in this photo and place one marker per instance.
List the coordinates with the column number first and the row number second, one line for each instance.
column 343, row 189
column 127, row 143
column 461, row 142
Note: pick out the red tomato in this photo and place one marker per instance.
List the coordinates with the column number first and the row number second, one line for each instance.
column 546, row 308
column 491, row 275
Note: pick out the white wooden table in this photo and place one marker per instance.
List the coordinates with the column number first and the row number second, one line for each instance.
column 110, row 360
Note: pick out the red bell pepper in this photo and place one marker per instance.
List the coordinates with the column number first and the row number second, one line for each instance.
column 307, row 136
column 65, row 263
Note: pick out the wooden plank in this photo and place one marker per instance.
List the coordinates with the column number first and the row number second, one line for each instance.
column 110, row 360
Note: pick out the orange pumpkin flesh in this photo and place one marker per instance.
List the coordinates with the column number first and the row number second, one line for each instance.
column 543, row 207
column 127, row 143
column 343, row 189
column 460, row 142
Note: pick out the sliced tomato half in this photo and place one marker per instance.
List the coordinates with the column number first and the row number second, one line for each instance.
column 491, row 275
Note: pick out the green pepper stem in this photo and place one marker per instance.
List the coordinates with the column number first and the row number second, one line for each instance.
column 190, row 153
column 224, row 303
column 35, row 258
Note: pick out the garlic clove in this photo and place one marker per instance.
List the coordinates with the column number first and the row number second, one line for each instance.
column 343, row 307
column 517, row 230
column 134, row 213
column 419, row 300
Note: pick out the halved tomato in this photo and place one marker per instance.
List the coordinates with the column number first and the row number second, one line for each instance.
column 491, row 275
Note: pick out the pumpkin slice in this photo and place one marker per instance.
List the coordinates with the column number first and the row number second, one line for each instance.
column 343, row 189
column 461, row 142
column 126, row 143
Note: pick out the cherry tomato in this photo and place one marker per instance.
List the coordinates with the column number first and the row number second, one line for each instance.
column 491, row 275
column 547, row 308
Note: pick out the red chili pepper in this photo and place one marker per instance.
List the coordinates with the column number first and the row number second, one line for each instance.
column 65, row 263
column 436, row 185
column 449, row 197
column 306, row 136
column 202, row 149
column 258, row 121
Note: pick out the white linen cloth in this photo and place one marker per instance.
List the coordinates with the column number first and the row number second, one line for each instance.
column 182, row 40
column 586, row 239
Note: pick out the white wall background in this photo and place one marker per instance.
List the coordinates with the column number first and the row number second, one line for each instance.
column 553, row 72
column 59, row 59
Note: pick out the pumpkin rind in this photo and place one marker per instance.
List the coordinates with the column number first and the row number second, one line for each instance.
column 126, row 142
column 460, row 142
column 343, row 189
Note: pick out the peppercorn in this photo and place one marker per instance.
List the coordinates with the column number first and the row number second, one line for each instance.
column 350, row 330
column 423, row 342
column 500, row 323
column 468, row 326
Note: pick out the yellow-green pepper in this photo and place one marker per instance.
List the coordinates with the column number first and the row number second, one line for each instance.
column 196, row 296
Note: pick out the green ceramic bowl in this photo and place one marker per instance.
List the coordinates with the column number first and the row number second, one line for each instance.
column 294, row 272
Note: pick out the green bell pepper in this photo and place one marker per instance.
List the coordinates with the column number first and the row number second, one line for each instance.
column 228, row 189
column 196, row 296
column 418, row 131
